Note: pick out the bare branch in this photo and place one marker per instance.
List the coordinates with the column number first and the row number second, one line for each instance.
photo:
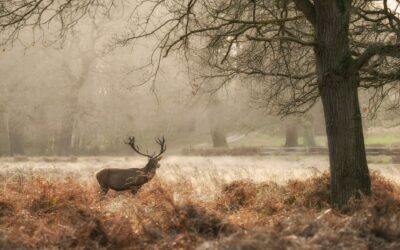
column 308, row 10
column 377, row 49
column 283, row 38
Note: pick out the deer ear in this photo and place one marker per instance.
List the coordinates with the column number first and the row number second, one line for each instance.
column 159, row 158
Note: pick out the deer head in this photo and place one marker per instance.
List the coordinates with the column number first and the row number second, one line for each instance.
column 153, row 159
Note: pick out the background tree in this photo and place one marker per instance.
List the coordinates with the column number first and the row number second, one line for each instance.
column 291, row 135
column 307, row 122
column 86, row 58
column 217, row 130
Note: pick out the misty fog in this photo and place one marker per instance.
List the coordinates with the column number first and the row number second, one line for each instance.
column 199, row 124
column 83, row 96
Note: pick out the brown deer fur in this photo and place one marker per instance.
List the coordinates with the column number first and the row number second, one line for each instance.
column 132, row 178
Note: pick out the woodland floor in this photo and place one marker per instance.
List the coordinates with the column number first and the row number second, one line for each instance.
column 194, row 203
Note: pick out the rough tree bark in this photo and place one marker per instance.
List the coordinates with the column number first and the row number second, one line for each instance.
column 338, row 82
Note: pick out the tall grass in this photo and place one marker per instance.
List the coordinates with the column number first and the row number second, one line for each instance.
column 37, row 212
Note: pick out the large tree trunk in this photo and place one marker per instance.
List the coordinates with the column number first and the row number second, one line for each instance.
column 4, row 131
column 218, row 138
column 217, row 130
column 41, row 137
column 65, row 138
column 4, row 134
column 291, row 135
column 338, row 83
column 16, row 135
column 349, row 169
column 65, row 142
column 308, row 131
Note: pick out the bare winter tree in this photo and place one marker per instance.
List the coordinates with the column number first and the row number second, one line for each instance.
column 291, row 133
column 300, row 50
column 216, row 127
column 77, row 80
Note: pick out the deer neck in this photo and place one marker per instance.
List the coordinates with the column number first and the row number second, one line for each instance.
column 149, row 168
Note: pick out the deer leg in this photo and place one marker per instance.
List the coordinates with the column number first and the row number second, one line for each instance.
column 104, row 190
column 134, row 189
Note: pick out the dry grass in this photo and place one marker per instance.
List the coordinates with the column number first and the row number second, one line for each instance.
column 64, row 213
column 240, row 151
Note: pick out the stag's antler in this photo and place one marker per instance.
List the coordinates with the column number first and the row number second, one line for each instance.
column 131, row 142
column 163, row 146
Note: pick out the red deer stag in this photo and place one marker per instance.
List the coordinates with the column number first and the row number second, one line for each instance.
column 132, row 178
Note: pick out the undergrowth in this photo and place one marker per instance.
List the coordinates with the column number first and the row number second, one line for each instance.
column 63, row 214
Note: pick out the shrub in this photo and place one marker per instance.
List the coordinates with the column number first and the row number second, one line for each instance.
column 64, row 213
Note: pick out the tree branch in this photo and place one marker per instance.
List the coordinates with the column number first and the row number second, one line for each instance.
column 282, row 38
column 377, row 49
column 308, row 10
